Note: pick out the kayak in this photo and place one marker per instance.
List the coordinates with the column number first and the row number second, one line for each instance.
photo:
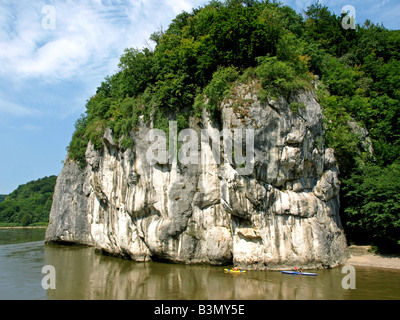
column 298, row 273
column 234, row 271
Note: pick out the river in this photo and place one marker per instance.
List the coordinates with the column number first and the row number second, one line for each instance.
column 83, row 274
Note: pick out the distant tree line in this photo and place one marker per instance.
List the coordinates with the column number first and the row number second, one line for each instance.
column 29, row 204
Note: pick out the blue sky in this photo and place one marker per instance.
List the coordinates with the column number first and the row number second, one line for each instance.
column 46, row 75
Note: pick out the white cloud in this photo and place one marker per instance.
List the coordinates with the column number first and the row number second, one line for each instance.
column 12, row 109
column 81, row 35
column 68, row 63
column 88, row 34
column 180, row 5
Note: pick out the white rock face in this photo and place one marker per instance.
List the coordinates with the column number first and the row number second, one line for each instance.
column 285, row 214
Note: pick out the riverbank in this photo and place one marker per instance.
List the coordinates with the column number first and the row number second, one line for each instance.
column 7, row 228
column 364, row 257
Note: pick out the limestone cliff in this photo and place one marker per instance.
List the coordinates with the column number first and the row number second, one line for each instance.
column 284, row 214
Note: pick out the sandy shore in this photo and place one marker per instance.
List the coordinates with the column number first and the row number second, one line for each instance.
column 361, row 256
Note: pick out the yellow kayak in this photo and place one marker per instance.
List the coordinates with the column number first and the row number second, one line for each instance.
column 234, row 271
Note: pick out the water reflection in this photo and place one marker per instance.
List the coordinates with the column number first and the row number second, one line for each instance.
column 21, row 261
column 84, row 274
column 14, row 236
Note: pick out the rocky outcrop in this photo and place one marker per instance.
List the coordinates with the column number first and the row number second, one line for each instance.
column 284, row 214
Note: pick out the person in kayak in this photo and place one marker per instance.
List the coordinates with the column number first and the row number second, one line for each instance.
column 300, row 270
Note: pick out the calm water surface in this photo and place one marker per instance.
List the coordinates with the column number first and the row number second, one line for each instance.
column 81, row 273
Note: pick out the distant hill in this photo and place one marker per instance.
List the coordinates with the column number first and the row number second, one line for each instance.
column 29, row 204
column 3, row 197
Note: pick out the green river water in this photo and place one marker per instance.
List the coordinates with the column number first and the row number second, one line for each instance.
column 83, row 274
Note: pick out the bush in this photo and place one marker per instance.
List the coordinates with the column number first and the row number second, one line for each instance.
column 338, row 134
column 26, row 220
column 340, row 79
column 373, row 216
column 39, row 225
column 280, row 77
column 218, row 87
column 10, row 225
column 77, row 147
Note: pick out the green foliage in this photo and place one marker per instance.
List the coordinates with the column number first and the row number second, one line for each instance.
column 287, row 71
column 375, row 194
column 280, row 77
column 29, row 204
column 340, row 79
column 136, row 72
column 294, row 106
column 10, row 225
column 359, row 84
column 77, row 147
column 338, row 133
column 325, row 28
column 218, row 87
column 3, row 197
